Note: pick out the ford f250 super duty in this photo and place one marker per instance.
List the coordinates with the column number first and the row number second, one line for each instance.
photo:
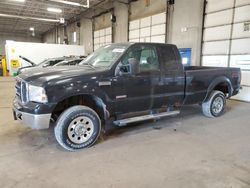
column 120, row 84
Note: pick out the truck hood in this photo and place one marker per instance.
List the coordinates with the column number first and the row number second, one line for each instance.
column 39, row 76
column 23, row 69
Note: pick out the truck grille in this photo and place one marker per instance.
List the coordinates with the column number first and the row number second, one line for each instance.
column 21, row 90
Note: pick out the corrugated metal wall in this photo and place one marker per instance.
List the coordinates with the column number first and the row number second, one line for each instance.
column 148, row 29
column 102, row 37
column 226, row 38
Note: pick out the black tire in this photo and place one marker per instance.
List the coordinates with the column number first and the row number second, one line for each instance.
column 77, row 127
column 214, row 106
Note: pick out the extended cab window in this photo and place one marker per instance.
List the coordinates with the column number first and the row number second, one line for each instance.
column 146, row 56
column 169, row 58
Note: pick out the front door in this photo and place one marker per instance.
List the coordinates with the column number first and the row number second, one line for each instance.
column 136, row 92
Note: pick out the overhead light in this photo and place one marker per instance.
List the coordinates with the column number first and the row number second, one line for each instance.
column 32, row 29
column 29, row 18
column 18, row 0
column 56, row 10
column 72, row 3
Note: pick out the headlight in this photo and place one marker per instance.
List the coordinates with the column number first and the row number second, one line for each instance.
column 37, row 94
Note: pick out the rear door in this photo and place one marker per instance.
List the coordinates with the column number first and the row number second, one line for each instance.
column 172, row 77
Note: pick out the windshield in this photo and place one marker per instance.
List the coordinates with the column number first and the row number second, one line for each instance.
column 105, row 56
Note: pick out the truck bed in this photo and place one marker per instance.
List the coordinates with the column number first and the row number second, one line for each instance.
column 194, row 68
column 199, row 78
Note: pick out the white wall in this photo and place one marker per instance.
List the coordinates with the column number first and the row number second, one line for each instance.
column 21, row 38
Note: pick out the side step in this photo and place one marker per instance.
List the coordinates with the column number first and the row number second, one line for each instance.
column 124, row 122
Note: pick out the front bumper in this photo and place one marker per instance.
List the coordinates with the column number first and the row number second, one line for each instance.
column 34, row 121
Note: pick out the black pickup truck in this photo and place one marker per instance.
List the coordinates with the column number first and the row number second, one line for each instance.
column 118, row 84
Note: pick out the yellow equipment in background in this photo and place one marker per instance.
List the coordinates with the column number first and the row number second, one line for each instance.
column 14, row 63
column 4, row 66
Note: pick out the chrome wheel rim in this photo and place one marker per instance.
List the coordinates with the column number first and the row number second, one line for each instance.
column 80, row 129
column 217, row 105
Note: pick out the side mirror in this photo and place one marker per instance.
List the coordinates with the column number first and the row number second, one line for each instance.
column 131, row 68
column 125, row 69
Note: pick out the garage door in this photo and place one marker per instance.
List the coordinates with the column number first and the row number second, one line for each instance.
column 102, row 37
column 226, row 38
column 148, row 29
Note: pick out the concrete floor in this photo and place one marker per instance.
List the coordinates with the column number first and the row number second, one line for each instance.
column 201, row 153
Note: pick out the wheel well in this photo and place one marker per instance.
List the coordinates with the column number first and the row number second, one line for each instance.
column 91, row 101
column 223, row 87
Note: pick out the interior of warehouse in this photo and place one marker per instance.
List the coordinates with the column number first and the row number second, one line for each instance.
column 157, row 128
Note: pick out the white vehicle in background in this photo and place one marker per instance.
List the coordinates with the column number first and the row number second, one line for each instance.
column 60, row 61
column 36, row 52
column 45, row 63
column 71, row 61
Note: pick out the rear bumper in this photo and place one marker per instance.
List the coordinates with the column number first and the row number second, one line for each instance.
column 236, row 90
column 34, row 121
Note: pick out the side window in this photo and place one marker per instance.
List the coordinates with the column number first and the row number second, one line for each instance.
column 169, row 58
column 74, row 62
column 52, row 63
column 78, row 61
column 146, row 57
column 49, row 63
column 134, row 52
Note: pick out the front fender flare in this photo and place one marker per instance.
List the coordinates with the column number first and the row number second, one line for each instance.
column 100, row 103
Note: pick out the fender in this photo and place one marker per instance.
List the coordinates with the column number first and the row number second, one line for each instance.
column 58, row 93
column 96, row 93
column 217, row 81
column 99, row 103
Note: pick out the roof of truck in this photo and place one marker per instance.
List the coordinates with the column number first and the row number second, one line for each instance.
column 146, row 43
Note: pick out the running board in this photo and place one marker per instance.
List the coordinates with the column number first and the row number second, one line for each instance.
column 124, row 122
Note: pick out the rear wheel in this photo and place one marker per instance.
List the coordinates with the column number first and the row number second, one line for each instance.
column 77, row 127
column 215, row 105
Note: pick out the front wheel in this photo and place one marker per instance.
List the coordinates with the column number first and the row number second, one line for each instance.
column 77, row 127
column 215, row 105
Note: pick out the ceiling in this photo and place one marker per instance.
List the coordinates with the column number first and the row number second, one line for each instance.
column 38, row 9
